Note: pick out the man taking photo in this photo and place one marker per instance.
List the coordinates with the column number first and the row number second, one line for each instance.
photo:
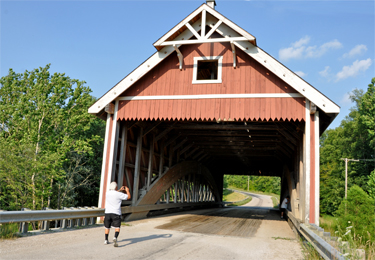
column 112, row 213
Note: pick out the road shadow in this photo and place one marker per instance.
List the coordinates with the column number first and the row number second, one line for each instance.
column 142, row 239
column 229, row 221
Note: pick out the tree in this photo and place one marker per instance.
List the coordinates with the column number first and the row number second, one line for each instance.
column 355, row 139
column 43, row 119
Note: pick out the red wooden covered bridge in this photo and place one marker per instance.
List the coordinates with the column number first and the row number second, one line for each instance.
column 210, row 102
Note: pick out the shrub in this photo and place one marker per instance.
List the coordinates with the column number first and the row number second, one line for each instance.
column 358, row 210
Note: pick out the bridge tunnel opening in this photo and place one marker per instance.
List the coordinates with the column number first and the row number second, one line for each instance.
column 146, row 150
column 270, row 185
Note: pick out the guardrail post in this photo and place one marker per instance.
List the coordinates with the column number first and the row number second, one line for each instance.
column 45, row 224
column 64, row 222
column 85, row 220
column 79, row 220
column 71, row 223
column 24, row 227
column 93, row 219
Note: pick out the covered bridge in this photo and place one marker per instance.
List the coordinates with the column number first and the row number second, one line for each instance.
column 210, row 102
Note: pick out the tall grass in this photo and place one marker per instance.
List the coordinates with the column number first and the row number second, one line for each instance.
column 350, row 235
column 8, row 231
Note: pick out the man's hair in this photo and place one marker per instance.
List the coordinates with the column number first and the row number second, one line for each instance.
column 113, row 185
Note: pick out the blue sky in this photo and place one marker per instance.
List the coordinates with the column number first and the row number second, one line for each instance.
column 330, row 44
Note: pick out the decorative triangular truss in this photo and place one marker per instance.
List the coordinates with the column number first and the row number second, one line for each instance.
column 197, row 22
column 199, row 27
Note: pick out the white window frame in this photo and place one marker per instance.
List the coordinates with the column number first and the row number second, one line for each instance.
column 219, row 70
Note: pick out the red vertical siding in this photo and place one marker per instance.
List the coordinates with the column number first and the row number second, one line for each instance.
column 248, row 77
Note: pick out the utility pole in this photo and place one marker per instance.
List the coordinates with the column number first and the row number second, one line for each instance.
column 346, row 173
column 248, row 179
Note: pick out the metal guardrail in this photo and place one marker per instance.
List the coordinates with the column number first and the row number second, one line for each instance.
column 41, row 215
column 322, row 241
column 326, row 250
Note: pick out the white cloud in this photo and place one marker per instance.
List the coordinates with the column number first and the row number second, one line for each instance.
column 301, row 73
column 300, row 49
column 357, row 50
column 325, row 72
column 314, row 52
column 354, row 69
column 345, row 101
column 303, row 41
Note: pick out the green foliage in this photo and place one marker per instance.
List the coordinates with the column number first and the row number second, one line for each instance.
column 371, row 184
column 358, row 211
column 48, row 141
column 256, row 183
column 355, row 139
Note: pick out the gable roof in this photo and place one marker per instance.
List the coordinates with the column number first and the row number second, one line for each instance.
column 192, row 30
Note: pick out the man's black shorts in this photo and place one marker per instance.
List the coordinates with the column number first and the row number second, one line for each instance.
column 112, row 220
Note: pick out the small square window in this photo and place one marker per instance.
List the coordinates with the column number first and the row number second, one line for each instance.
column 207, row 70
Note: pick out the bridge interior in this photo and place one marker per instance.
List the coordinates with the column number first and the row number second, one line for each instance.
column 146, row 150
column 238, row 148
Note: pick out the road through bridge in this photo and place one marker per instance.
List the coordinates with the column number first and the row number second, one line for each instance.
column 252, row 231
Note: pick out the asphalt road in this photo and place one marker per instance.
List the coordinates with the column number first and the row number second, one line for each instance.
column 247, row 232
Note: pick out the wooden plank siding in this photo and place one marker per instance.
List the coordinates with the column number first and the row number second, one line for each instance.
column 249, row 77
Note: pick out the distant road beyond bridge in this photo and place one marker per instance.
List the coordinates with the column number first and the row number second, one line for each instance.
column 253, row 231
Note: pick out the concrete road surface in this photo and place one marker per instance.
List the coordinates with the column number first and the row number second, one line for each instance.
column 226, row 233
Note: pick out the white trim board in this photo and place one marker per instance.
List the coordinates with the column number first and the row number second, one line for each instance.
column 213, row 96
column 219, row 70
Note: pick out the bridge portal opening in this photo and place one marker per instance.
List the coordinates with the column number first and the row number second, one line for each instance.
column 264, row 184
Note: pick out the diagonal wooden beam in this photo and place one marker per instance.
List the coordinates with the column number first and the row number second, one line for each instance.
column 179, row 144
column 152, row 127
column 186, row 148
column 193, row 30
column 191, row 152
column 213, row 29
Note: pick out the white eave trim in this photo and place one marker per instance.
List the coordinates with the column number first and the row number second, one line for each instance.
column 213, row 96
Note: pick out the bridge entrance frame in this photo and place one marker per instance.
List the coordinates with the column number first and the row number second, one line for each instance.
column 171, row 137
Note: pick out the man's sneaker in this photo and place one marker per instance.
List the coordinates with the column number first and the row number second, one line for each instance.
column 106, row 242
column 115, row 242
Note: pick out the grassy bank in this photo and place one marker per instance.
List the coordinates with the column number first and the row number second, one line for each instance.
column 274, row 197
column 237, row 198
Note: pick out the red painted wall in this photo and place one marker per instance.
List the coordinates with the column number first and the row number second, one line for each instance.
column 248, row 77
